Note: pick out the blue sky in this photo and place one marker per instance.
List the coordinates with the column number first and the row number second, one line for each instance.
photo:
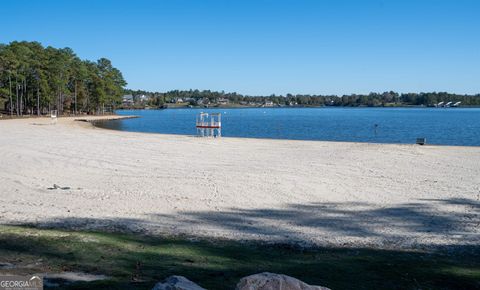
column 265, row 46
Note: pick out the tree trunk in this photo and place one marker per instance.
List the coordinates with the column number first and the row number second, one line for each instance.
column 58, row 100
column 16, row 92
column 25, row 96
column 11, row 99
column 75, row 84
column 21, row 98
column 20, row 110
column 86, row 102
column 38, row 101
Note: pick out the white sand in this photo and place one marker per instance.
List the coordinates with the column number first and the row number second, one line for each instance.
column 325, row 193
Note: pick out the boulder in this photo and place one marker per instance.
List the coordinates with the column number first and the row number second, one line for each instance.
column 272, row 281
column 176, row 283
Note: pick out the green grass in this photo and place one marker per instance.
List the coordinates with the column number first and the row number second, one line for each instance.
column 137, row 262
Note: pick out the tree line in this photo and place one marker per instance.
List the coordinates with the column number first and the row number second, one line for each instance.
column 35, row 80
column 354, row 100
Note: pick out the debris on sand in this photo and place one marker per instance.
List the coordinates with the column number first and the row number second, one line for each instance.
column 55, row 186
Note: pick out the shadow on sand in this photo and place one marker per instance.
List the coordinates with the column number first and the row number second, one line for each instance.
column 136, row 257
column 418, row 225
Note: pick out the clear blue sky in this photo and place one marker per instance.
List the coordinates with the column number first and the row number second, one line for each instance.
column 265, row 46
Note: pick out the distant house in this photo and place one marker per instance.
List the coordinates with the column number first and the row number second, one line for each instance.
column 222, row 101
column 179, row 100
column 127, row 100
column 204, row 101
column 268, row 104
column 143, row 98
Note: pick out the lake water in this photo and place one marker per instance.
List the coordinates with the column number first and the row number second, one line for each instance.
column 447, row 126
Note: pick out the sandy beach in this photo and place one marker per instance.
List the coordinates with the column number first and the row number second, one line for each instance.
column 317, row 193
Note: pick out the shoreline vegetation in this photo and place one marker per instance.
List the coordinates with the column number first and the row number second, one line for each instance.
column 138, row 99
column 187, row 106
column 34, row 80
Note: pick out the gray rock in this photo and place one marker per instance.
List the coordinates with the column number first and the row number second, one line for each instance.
column 272, row 281
column 176, row 283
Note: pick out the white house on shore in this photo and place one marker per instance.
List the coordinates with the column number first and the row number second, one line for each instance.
column 268, row 104
column 143, row 98
column 127, row 100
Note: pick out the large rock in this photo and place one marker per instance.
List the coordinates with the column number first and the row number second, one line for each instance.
column 272, row 281
column 176, row 283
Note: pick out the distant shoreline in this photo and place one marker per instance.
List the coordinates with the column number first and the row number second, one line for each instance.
column 297, row 107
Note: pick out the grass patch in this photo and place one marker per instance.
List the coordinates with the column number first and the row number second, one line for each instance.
column 138, row 262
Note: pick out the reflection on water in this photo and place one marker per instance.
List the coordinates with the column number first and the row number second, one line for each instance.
column 455, row 126
column 111, row 124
